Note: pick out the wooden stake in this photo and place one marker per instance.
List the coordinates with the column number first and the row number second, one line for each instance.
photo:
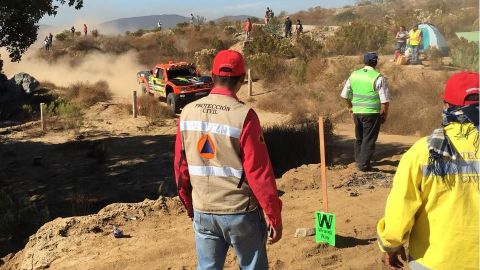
column 250, row 83
column 323, row 163
column 134, row 104
column 43, row 120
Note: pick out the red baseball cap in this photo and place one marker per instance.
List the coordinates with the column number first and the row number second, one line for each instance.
column 459, row 86
column 228, row 63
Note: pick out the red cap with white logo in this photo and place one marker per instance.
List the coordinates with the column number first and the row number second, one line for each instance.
column 459, row 86
column 228, row 63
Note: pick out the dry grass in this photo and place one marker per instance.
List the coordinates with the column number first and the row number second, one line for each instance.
column 416, row 104
column 154, row 110
column 88, row 94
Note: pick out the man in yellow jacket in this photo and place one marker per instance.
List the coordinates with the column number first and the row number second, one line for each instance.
column 415, row 42
column 433, row 204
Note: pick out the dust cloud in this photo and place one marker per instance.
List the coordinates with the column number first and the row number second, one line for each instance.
column 119, row 71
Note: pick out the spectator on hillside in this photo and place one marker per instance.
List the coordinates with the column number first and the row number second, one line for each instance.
column 85, row 29
column 415, row 37
column 50, row 39
column 192, row 19
column 46, row 44
column 401, row 42
column 247, row 28
column 73, row 31
column 288, row 27
column 299, row 28
column 267, row 15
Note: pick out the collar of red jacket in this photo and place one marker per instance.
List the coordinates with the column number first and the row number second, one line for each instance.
column 223, row 91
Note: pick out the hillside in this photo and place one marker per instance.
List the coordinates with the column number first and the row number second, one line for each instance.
column 143, row 22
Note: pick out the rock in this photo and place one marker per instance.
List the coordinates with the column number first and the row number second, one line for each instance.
column 22, row 83
column 304, row 232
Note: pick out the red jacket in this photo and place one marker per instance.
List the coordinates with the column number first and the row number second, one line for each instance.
column 247, row 26
column 256, row 164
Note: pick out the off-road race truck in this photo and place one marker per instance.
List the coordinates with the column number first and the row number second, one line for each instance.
column 177, row 83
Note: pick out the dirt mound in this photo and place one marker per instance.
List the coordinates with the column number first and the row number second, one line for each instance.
column 61, row 235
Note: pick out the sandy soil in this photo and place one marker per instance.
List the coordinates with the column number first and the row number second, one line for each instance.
column 161, row 236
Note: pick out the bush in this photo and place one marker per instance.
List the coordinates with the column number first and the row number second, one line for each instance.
column 63, row 36
column 434, row 56
column 265, row 43
column 18, row 214
column 266, row 67
column 88, row 94
column 229, row 30
column 204, row 59
column 307, row 48
column 95, row 33
column 357, row 38
column 64, row 115
column 153, row 110
column 465, row 54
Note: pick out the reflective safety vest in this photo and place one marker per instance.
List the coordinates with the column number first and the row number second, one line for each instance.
column 436, row 210
column 211, row 129
column 415, row 37
column 365, row 98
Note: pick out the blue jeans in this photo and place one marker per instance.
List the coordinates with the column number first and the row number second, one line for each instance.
column 415, row 52
column 246, row 233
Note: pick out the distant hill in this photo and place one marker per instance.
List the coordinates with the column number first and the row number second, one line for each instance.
column 144, row 22
column 234, row 18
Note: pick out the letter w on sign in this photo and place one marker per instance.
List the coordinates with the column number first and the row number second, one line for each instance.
column 325, row 228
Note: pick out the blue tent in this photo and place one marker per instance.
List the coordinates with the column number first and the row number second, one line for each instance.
column 433, row 38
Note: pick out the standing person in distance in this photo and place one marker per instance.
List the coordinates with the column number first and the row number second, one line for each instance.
column 247, row 28
column 367, row 97
column 415, row 39
column 299, row 28
column 85, row 29
column 288, row 27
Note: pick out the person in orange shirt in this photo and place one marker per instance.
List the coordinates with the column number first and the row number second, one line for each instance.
column 85, row 29
column 247, row 28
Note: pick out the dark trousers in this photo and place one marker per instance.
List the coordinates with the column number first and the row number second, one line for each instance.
column 367, row 127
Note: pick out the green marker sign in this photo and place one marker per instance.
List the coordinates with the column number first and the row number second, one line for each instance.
column 325, row 228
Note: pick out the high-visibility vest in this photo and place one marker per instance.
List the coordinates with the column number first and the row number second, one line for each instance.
column 415, row 37
column 211, row 129
column 436, row 210
column 365, row 98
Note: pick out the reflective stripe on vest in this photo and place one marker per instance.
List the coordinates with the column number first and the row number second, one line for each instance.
column 415, row 37
column 210, row 128
column 211, row 140
column 365, row 98
column 453, row 167
column 215, row 171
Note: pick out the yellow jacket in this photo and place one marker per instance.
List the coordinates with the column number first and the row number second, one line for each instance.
column 415, row 37
column 438, row 217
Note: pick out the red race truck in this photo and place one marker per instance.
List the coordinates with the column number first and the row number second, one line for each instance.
column 177, row 83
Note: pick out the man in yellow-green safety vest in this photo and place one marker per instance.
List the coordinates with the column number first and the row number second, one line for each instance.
column 367, row 96
column 415, row 41
column 433, row 204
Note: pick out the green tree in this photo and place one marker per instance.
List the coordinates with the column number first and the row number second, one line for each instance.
column 19, row 22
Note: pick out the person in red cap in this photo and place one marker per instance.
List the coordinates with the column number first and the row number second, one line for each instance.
column 224, row 175
column 433, row 204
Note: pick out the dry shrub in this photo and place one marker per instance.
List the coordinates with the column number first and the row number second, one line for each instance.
column 416, row 105
column 264, row 42
column 465, row 54
column 357, row 38
column 88, row 94
column 267, row 67
column 315, row 15
column 204, row 59
column 86, row 45
column 154, row 110
column 64, row 115
column 434, row 56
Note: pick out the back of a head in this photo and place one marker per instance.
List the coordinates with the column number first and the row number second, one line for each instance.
column 228, row 69
column 370, row 59
column 462, row 89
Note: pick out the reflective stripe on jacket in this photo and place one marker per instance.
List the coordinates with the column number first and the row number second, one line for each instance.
column 415, row 37
column 365, row 98
column 437, row 215
column 210, row 129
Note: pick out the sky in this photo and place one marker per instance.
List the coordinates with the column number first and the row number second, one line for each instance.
column 96, row 11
